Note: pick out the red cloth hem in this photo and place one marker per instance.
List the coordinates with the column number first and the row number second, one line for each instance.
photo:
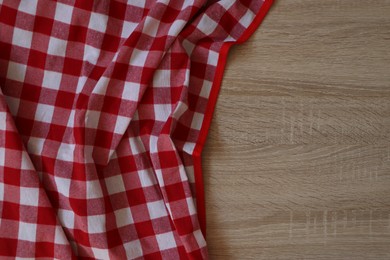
column 197, row 159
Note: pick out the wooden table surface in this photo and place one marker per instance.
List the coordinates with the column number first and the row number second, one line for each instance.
column 297, row 162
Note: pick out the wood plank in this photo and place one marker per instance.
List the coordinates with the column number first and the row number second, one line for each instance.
column 297, row 163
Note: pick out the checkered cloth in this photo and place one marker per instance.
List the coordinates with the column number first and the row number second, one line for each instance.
column 104, row 110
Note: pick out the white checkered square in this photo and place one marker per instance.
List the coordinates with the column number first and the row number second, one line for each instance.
column 96, row 224
column 176, row 27
column 91, row 54
column 27, row 231
column 226, row 4
column 63, row 13
column 121, row 124
column 191, row 206
column 66, row 152
column 136, row 145
column 183, row 174
column 2, row 156
column 22, row 38
column 187, row 4
column 160, row 178
column 157, row 209
column 26, row 163
column 151, row 26
column 138, row 3
column 162, row 78
column 188, row 46
column 3, row 120
column 180, row 109
column 13, row 104
column 206, row 88
column 133, row 249
column 100, row 253
column 115, row 184
column 138, row 58
column 115, row 58
column 131, row 91
column 1, row 185
column 101, row 86
column 51, row 79
column 166, row 241
column 44, row 113
column 59, row 237
column 114, row 155
column 98, row 22
column 71, row 119
column 35, row 145
column 123, row 217
column 128, row 28
column 16, row 71
column 57, row 47
column 92, row 119
column 147, row 178
column 153, row 144
column 81, row 84
column 66, row 217
column 169, row 208
column 29, row 6
column 247, row 19
column 94, row 189
column 199, row 238
column 197, row 121
column 212, row 59
column 63, row 185
column 189, row 147
column 162, row 111
column 29, row 196
column 207, row 25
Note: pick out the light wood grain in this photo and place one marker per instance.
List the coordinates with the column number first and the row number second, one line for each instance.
column 297, row 163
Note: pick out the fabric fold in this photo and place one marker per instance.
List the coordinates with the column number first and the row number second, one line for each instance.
column 109, row 106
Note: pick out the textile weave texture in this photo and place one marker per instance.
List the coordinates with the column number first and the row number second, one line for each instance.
column 104, row 110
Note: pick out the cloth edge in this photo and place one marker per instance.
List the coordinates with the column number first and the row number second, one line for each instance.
column 216, row 86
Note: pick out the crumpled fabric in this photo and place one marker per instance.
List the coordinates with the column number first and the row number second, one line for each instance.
column 104, row 110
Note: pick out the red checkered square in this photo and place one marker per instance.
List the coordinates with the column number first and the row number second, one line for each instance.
column 72, row 66
column 110, row 43
column 43, row 25
column 7, row 15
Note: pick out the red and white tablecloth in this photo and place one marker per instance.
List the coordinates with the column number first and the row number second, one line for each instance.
column 104, row 110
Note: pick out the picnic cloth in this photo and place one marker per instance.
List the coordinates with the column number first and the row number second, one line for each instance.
column 104, row 110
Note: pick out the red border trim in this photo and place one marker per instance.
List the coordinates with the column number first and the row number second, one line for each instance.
column 197, row 159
